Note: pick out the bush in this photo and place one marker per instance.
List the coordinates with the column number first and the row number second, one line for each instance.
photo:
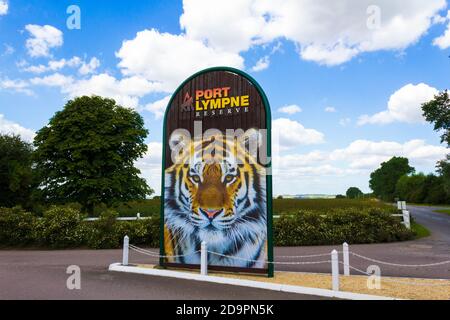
column 61, row 227
column 108, row 232
column 16, row 227
column 351, row 225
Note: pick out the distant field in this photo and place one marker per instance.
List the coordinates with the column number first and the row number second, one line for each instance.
column 447, row 211
column 280, row 206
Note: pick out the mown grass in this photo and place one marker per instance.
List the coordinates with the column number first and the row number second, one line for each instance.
column 419, row 230
column 446, row 211
column 151, row 207
column 289, row 206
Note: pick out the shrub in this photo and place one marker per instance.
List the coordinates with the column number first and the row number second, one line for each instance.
column 108, row 232
column 61, row 227
column 16, row 227
column 352, row 225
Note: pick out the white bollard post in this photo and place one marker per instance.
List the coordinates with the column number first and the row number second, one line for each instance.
column 335, row 270
column 406, row 219
column 399, row 205
column 138, row 215
column 346, row 255
column 126, row 243
column 204, row 260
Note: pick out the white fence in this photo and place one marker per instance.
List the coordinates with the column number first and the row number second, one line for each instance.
column 332, row 261
column 138, row 217
column 401, row 206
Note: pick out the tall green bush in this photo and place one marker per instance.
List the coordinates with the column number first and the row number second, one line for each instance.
column 61, row 227
column 352, row 225
column 16, row 227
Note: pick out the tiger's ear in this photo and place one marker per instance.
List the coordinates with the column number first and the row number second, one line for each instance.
column 179, row 140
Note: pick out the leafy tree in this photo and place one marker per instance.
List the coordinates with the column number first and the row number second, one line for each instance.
column 443, row 168
column 436, row 190
column 86, row 154
column 411, row 188
column 16, row 176
column 383, row 181
column 437, row 111
column 340, row 196
column 354, row 192
column 419, row 188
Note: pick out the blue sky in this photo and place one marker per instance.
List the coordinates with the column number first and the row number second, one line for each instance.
column 351, row 75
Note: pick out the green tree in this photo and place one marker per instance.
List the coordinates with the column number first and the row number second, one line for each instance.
column 354, row 192
column 443, row 168
column 411, row 188
column 86, row 154
column 16, row 175
column 437, row 111
column 383, row 181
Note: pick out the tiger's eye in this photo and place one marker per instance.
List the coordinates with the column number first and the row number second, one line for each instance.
column 196, row 178
column 228, row 178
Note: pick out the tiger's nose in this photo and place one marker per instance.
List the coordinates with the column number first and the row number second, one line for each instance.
column 211, row 213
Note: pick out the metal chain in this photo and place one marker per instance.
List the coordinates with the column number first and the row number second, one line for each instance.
column 401, row 265
column 270, row 262
column 153, row 254
column 307, row 256
column 399, row 281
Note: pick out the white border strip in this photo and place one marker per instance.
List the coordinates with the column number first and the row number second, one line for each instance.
column 246, row 283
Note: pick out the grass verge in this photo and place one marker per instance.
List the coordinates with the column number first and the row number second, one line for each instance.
column 446, row 211
column 420, row 231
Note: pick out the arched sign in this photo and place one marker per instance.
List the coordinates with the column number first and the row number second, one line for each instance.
column 216, row 178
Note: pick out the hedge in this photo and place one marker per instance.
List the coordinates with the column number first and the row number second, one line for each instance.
column 64, row 227
column 351, row 225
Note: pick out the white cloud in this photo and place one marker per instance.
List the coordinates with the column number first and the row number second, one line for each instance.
column 168, row 59
column 3, row 7
column 364, row 154
column 403, row 106
column 289, row 133
column 261, row 64
column 341, row 34
column 90, row 67
column 231, row 26
column 54, row 80
column 345, row 122
column 348, row 166
column 18, row 85
column 330, row 109
column 9, row 127
column 158, row 107
column 150, row 166
column 126, row 91
column 291, row 109
column 52, row 65
column 43, row 38
column 443, row 41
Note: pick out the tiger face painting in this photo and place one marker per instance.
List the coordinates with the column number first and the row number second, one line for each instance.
column 216, row 192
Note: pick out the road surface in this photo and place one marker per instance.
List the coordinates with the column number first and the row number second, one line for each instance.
column 42, row 275
column 32, row 274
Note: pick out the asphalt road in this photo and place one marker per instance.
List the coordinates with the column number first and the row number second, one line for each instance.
column 42, row 275
column 32, row 274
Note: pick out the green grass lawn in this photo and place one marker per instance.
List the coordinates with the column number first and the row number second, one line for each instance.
column 446, row 211
column 420, row 230
column 151, row 207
